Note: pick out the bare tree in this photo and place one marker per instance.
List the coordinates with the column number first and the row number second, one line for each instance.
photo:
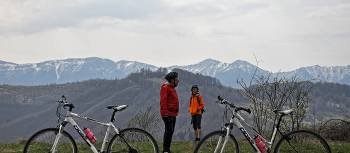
column 299, row 100
column 148, row 120
column 268, row 93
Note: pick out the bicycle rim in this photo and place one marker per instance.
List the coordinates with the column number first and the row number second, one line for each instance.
column 133, row 140
column 42, row 142
column 214, row 143
column 302, row 142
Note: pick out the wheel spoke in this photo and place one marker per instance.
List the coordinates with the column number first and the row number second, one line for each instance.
column 43, row 142
column 133, row 140
column 302, row 142
column 214, row 143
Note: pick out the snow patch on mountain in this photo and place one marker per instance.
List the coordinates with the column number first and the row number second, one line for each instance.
column 335, row 74
column 57, row 66
column 208, row 67
column 67, row 70
column 79, row 69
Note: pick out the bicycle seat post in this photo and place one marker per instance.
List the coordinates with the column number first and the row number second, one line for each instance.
column 113, row 116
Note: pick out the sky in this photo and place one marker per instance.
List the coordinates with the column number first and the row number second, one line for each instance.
column 279, row 35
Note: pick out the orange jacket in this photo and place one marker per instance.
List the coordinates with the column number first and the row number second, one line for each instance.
column 195, row 107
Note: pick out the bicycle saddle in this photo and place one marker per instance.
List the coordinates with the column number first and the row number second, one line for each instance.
column 117, row 107
column 283, row 112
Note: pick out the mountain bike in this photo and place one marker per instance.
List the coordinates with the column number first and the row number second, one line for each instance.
column 57, row 140
column 222, row 141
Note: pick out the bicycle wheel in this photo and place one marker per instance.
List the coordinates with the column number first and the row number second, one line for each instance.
column 42, row 142
column 213, row 143
column 302, row 142
column 133, row 140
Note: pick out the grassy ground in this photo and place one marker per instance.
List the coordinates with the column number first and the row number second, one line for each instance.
column 186, row 147
column 177, row 147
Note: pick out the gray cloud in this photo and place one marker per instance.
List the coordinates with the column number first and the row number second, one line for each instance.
column 279, row 32
column 46, row 18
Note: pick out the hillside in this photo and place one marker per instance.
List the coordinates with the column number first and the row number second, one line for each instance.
column 25, row 109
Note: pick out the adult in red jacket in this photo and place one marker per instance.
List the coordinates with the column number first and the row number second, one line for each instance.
column 169, row 108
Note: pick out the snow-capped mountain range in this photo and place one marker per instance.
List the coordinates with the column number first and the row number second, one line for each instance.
column 335, row 74
column 69, row 70
column 79, row 69
column 227, row 73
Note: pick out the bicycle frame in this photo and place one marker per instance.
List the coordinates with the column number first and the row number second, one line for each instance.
column 236, row 120
column 69, row 119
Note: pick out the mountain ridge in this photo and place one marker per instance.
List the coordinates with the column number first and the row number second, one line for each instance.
column 35, row 106
column 80, row 69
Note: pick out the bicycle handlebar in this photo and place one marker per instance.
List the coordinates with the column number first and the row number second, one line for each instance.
column 63, row 100
column 243, row 109
column 65, row 103
column 237, row 109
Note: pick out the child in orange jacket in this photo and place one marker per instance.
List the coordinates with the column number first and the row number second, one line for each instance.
column 196, row 108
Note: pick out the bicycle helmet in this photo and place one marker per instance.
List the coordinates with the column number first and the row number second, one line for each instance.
column 194, row 86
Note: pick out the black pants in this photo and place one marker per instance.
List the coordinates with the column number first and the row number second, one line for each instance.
column 169, row 123
column 196, row 121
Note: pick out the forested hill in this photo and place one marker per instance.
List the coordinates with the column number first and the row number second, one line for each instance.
column 26, row 109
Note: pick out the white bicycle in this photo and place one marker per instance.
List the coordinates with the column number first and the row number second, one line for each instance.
column 57, row 140
column 300, row 141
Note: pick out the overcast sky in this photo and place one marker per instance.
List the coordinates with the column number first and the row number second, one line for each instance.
column 282, row 34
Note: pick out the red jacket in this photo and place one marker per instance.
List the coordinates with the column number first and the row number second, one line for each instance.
column 169, row 101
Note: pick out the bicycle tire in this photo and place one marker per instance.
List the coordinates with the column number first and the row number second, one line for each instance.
column 302, row 141
column 203, row 144
column 35, row 145
column 137, row 142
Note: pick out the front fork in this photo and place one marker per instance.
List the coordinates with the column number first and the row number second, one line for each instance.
column 227, row 136
column 225, row 139
column 57, row 138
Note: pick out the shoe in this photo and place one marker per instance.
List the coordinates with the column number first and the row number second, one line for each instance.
column 197, row 139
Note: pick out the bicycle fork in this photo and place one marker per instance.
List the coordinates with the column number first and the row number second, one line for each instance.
column 57, row 138
column 222, row 138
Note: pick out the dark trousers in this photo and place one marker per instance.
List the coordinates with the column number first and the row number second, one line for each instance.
column 196, row 121
column 169, row 123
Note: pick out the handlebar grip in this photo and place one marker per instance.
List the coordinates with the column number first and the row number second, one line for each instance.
column 244, row 109
column 62, row 100
column 224, row 101
column 220, row 98
column 248, row 111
